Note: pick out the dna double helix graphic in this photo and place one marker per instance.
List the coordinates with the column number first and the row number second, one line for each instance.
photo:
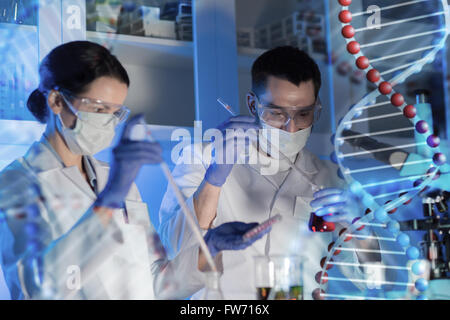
column 401, row 155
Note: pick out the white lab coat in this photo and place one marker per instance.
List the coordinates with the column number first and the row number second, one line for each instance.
column 248, row 196
column 129, row 268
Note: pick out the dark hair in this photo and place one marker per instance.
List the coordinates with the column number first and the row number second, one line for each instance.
column 73, row 66
column 287, row 63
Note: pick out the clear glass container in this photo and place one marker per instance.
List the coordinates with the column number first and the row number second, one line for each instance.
column 212, row 290
column 279, row 277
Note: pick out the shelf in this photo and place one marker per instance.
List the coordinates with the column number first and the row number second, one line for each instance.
column 20, row 27
column 246, row 57
column 165, row 53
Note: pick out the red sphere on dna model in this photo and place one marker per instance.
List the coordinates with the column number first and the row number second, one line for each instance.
column 385, row 88
column 317, row 294
column 397, row 99
column 353, row 47
column 345, row 16
column 319, row 278
column 347, row 238
column 362, row 62
column 345, row 3
column 336, row 252
column 409, row 111
column 373, row 75
column 329, row 265
column 348, row 31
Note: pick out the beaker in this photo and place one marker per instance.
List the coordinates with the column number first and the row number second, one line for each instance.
column 279, row 277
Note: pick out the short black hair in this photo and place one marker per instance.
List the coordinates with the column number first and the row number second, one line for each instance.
column 73, row 66
column 287, row 63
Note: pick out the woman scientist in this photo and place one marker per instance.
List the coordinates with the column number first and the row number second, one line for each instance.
column 77, row 228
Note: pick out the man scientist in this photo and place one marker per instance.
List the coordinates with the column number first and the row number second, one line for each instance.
column 284, row 99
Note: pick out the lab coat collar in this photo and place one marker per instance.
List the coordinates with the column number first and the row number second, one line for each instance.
column 306, row 161
column 102, row 172
column 42, row 158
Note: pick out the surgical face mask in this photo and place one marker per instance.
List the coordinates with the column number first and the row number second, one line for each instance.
column 93, row 132
column 288, row 143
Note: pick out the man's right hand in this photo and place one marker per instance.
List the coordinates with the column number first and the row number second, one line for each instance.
column 228, row 236
column 234, row 132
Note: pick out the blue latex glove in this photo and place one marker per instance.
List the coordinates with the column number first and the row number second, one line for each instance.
column 335, row 205
column 128, row 158
column 228, row 236
column 220, row 168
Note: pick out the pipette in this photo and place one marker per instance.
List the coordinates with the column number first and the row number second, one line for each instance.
column 291, row 164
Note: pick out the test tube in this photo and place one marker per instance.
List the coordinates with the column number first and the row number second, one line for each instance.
column 261, row 227
column 226, row 106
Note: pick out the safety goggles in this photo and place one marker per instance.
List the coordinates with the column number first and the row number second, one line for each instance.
column 279, row 117
column 77, row 104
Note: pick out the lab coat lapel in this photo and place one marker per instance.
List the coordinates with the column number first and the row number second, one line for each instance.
column 298, row 182
column 43, row 160
column 295, row 184
column 58, row 184
column 101, row 173
column 262, row 161
column 73, row 174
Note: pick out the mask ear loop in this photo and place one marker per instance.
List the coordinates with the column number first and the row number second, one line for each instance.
column 57, row 91
column 71, row 108
column 60, row 128
column 68, row 104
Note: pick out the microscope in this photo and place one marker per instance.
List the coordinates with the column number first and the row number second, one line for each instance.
column 435, row 245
